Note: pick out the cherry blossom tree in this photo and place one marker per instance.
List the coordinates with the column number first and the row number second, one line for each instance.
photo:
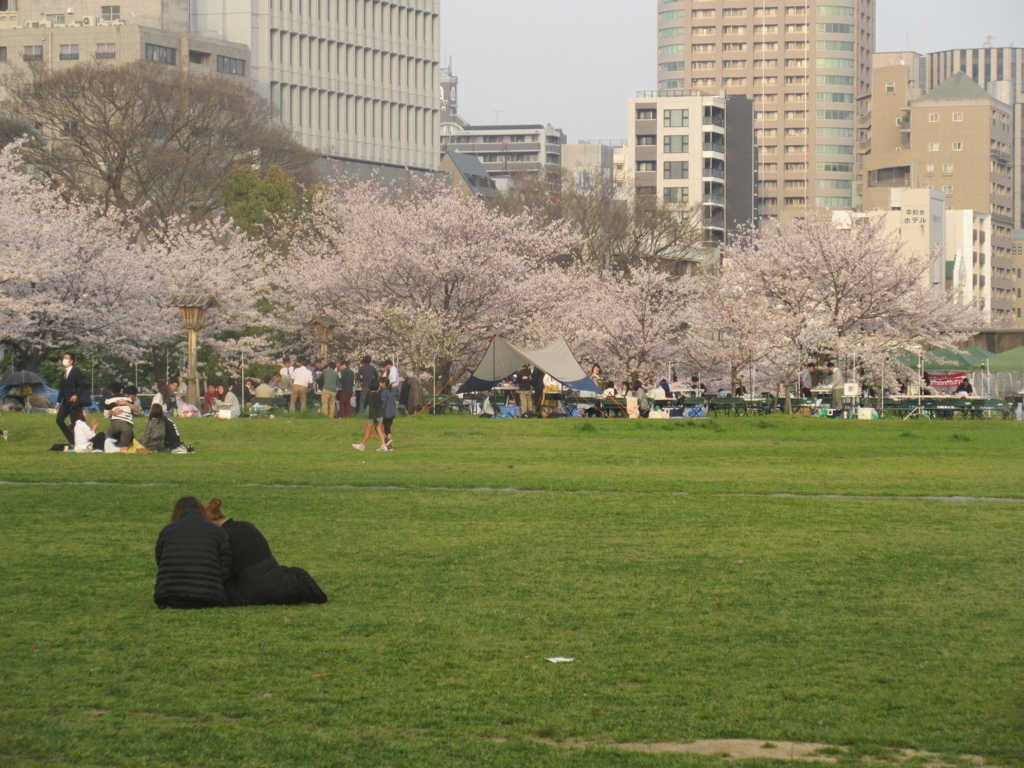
column 631, row 322
column 70, row 279
column 839, row 291
column 64, row 274
column 419, row 270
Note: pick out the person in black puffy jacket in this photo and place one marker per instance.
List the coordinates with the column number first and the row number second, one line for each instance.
column 193, row 558
column 256, row 577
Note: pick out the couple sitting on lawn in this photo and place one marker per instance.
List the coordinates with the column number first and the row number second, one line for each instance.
column 205, row 560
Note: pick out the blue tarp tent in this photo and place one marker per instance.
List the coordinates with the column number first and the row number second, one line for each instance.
column 502, row 359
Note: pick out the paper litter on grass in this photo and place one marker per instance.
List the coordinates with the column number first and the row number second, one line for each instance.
column 558, row 659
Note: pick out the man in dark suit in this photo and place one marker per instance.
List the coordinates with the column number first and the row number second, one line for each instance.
column 71, row 395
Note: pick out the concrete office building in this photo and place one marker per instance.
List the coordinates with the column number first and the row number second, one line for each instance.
column 356, row 80
column 66, row 33
column 694, row 150
column 804, row 65
column 507, row 152
column 969, row 258
column 954, row 137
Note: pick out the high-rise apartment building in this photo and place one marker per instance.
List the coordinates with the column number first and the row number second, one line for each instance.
column 688, row 149
column 804, row 65
column 355, row 80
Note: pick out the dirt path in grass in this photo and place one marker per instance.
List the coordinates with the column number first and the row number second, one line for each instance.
column 746, row 749
column 298, row 486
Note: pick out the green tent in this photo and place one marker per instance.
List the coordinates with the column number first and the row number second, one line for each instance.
column 975, row 356
column 1012, row 360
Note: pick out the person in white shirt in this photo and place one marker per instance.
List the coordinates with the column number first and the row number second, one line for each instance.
column 302, row 379
column 390, row 370
column 227, row 399
column 286, row 375
column 86, row 439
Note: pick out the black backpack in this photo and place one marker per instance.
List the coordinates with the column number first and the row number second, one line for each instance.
column 172, row 438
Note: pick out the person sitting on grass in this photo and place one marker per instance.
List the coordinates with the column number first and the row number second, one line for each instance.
column 122, row 409
column 228, row 400
column 162, row 435
column 256, row 577
column 86, row 440
column 193, row 560
column 374, row 417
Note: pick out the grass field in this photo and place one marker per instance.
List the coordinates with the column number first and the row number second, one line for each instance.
column 779, row 579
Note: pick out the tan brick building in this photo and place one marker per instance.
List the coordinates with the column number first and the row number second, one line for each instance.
column 955, row 138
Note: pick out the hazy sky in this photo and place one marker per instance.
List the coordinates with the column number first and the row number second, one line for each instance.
column 574, row 63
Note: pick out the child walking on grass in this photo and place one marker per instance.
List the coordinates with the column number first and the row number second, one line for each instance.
column 374, row 418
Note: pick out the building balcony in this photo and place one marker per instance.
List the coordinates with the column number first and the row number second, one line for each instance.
column 714, row 222
column 713, row 173
column 715, row 199
column 714, row 146
column 1002, row 157
column 718, row 122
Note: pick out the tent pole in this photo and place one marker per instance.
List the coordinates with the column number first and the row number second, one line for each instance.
column 453, row 378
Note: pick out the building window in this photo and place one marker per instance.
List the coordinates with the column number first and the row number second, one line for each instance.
column 647, row 140
column 677, row 118
column 230, row 66
column 106, row 50
column 948, row 189
column 933, row 117
column 198, row 57
column 958, row 146
column 673, row 50
column 834, row 45
column 69, row 53
column 835, row 63
column 672, row 32
column 676, row 195
column 647, row 114
column 643, row 166
column 33, row 53
column 890, row 87
column 110, row 12
column 3, row 53
column 933, row 146
column 677, row 169
column 646, row 191
column 929, row 168
column 161, row 53
column 836, row 29
column 734, row 29
column 947, row 168
column 958, row 117
column 676, row 145
column 835, row 167
column 795, row 114
column 8, row 5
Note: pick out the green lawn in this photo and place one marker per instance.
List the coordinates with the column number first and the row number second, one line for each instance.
column 708, row 577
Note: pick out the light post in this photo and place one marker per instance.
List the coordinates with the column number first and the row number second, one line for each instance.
column 323, row 327
column 193, row 308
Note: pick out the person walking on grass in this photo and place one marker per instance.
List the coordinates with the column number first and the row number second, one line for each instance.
column 374, row 418
column 388, row 407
